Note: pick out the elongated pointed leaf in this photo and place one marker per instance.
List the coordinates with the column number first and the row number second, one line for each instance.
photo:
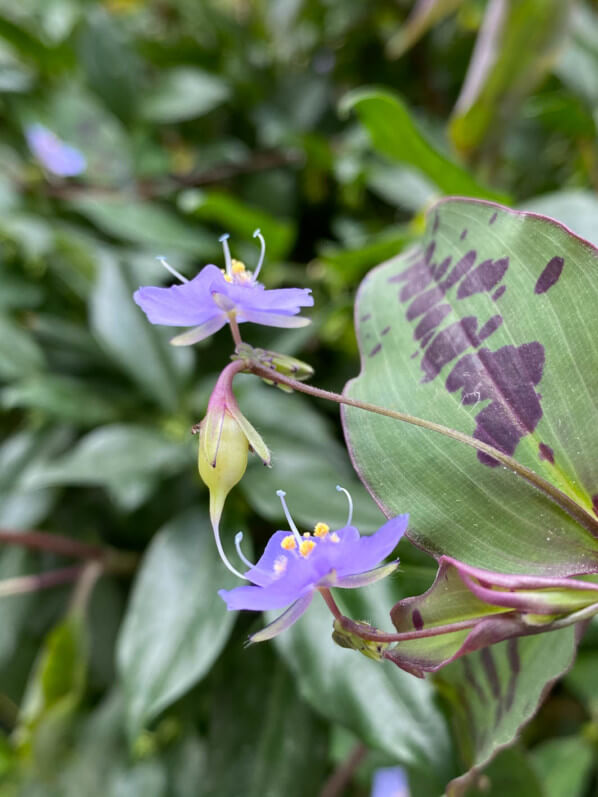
column 515, row 47
column 395, row 135
column 489, row 328
column 175, row 624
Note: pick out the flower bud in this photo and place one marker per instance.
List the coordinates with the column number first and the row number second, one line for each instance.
column 225, row 437
column 223, row 465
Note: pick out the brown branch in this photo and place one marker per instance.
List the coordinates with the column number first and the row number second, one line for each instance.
column 33, row 583
column 343, row 774
column 55, row 543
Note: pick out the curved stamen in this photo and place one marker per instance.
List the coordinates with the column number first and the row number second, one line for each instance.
column 350, row 500
column 281, row 494
column 162, row 260
column 223, row 556
column 242, row 557
column 258, row 234
column 227, row 258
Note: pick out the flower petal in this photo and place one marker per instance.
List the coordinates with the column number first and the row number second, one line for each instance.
column 292, row 614
column 195, row 334
column 281, row 300
column 369, row 551
column 369, row 577
column 271, row 319
column 259, row 599
column 185, row 305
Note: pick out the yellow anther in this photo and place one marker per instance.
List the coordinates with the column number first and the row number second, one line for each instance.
column 306, row 547
column 228, row 278
column 321, row 529
column 280, row 565
column 237, row 267
column 289, row 543
column 307, row 533
column 334, row 537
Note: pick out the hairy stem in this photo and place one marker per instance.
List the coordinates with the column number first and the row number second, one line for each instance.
column 331, row 603
column 374, row 635
column 234, row 330
column 566, row 503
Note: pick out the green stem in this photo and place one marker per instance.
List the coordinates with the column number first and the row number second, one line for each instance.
column 374, row 635
column 566, row 503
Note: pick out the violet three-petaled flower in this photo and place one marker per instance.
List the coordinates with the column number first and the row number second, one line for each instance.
column 293, row 567
column 390, row 782
column 54, row 154
column 214, row 297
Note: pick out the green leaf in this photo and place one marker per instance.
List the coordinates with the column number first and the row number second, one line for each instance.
column 19, row 353
column 493, row 692
column 114, row 456
column 262, row 706
column 242, row 219
column 123, row 331
column 512, row 773
column 59, row 397
column 395, row 135
column 385, row 707
column 146, row 224
column 54, row 690
column 564, row 766
column 484, row 283
column 514, row 50
column 183, row 93
column 307, row 462
column 424, row 16
column 176, row 624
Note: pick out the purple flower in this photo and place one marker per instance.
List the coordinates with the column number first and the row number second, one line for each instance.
column 216, row 297
column 294, row 566
column 390, row 782
column 56, row 156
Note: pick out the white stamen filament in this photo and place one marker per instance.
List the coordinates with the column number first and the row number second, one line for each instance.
column 281, row 494
column 223, row 556
column 350, row 500
column 227, row 258
column 162, row 260
column 258, row 234
column 242, row 557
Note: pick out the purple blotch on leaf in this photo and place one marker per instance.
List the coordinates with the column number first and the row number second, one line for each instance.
column 431, row 320
column 550, row 275
column 436, row 223
column 448, row 344
column 461, row 268
column 493, row 218
column 376, row 349
column 499, row 292
column 546, row 452
column 366, row 317
column 440, row 270
column 595, row 503
column 385, row 331
column 508, row 377
column 463, row 235
column 483, row 278
column 490, row 326
column 418, row 620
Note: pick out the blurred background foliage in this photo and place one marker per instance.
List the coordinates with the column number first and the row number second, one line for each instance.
column 198, row 117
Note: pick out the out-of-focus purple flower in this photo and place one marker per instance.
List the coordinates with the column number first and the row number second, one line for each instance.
column 54, row 154
column 294, row 566
column 215, row 297
column 390, row 782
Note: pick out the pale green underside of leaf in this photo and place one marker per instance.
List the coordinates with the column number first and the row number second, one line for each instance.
column 485, row 516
